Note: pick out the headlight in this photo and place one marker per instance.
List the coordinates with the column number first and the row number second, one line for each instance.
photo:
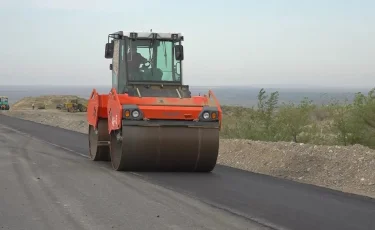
column 132, row 112
column 135, row 113
column 206, row 115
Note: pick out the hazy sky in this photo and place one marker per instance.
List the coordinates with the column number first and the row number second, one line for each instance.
column 237, row 42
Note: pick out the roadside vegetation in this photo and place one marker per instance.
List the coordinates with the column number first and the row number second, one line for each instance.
column 336, row 123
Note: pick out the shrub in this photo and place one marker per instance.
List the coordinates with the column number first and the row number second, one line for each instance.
column 336, row 123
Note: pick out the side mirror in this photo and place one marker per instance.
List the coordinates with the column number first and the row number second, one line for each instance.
column 179, row 52
column 109, row 50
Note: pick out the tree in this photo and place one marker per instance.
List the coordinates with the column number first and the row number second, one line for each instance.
column 267, row 106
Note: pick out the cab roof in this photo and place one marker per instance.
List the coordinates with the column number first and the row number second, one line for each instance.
column 147, row 35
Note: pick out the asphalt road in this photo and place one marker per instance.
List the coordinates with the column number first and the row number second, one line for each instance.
column 98, row 197
column 46, row 187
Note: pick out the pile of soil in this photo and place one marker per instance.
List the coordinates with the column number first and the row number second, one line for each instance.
column 345, row 168
column 47, row 101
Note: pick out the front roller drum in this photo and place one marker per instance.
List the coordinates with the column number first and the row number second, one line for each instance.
column 142, row 148
column 99, row 142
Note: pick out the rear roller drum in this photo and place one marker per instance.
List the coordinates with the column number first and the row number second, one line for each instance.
column 116, row 151
column 98, row 142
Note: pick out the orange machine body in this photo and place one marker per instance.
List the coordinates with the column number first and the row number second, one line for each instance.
column 149, row 120
column 109, row 106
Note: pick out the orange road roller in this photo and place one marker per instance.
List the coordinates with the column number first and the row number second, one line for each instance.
column 150, row 121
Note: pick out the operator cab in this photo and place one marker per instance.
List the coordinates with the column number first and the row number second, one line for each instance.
column 147, row 63
column 3, row 99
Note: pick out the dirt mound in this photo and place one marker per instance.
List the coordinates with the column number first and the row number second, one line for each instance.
column 48, row 101
column 346, row 168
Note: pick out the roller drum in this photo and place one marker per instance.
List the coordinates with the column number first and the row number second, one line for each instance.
column 99, row 142
column 160, row 148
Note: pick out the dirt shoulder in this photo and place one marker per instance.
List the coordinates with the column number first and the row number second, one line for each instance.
column 345, row 168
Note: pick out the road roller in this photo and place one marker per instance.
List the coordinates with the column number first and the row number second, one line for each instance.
column 149, row 120
column 4, row 104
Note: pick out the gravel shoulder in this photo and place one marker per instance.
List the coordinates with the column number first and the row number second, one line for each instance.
column 345, row 168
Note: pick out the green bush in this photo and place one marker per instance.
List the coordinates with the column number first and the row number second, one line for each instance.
column 333, row 124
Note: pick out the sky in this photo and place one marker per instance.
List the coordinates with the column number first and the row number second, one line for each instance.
column 237, row 42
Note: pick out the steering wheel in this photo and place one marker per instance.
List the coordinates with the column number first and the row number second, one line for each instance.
column 175, row 69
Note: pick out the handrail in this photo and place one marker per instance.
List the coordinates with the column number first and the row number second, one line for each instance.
column 114, row 93
column 94, row 92
column 211, row 93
